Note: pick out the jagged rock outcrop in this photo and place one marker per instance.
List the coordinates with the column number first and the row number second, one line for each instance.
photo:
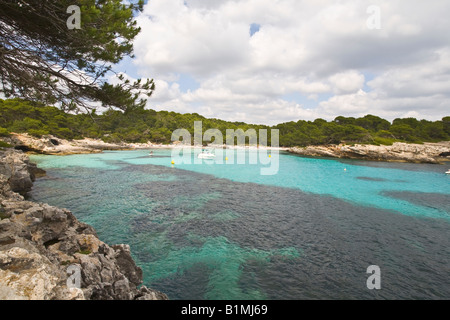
column 46, row 253
column 18, row 170
column 417, row 153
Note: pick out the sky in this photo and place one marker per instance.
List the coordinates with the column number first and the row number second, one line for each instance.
column 274, row 61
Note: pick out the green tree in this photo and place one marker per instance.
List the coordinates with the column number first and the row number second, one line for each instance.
column 446, row 125
column 373, row 123
column 411, row 122
column 433, row 131
column 41, row 59
column 352, row 133
column 4, row 132
column 402, row 131
column 344, row 121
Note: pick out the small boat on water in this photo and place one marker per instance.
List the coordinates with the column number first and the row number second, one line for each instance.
column 206, row 155
column 448, row 171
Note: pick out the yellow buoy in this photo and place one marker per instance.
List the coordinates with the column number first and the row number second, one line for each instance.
column 270, row 156
column 226, row 159
column 173, row 162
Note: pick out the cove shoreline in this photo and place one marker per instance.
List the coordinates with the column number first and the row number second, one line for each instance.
column 430, row 153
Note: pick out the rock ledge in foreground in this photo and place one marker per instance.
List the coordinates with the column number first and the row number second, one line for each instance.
column 40, row 244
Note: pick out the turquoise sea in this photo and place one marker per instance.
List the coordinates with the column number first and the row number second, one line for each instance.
column 224, row 231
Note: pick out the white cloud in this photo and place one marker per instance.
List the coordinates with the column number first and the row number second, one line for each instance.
column 347, row 82
column 426, row 79
column 310, row 49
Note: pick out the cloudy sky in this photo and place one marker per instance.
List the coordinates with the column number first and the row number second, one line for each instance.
column 273, row 61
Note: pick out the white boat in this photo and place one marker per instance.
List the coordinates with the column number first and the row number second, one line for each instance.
column 206, row 155
column 448, row 171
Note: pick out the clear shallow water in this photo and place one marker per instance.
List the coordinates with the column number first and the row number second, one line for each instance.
column 221, row 231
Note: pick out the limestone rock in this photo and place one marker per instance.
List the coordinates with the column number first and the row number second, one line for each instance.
column 149, row 294
column 14, row 166
column 30, row 276
column 49, row 144
column 402, row 152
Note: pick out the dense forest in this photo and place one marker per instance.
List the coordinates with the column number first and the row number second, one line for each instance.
column 143, row 125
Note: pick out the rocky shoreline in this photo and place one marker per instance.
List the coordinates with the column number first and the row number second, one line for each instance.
column 47, row 254
column 51, row 145
column 434, row 153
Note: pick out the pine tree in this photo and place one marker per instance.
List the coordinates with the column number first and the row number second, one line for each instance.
column 61, row 52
